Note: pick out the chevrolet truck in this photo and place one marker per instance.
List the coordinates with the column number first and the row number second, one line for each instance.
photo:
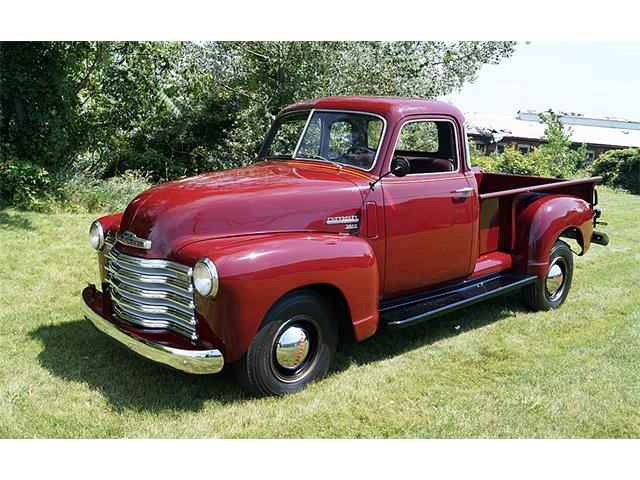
column 360, row 212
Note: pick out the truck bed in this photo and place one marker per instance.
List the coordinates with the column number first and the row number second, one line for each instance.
column 498, row 206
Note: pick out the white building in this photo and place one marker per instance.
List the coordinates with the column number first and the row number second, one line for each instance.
column 524, row 131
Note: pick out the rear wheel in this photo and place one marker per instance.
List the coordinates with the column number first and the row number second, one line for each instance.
column 293, row 347
column 552, row 291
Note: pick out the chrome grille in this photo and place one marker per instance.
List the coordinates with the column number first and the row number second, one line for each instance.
column 151, row 293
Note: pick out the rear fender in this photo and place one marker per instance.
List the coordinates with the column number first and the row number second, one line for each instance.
column 255, row 271
column 542, row 222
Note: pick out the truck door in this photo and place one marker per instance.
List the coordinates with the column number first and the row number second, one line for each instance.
column 429, row 212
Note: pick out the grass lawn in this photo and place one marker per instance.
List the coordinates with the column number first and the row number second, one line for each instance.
column 492, row 370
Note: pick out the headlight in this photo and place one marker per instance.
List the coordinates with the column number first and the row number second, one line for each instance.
column 205, row 278
column 96, row 236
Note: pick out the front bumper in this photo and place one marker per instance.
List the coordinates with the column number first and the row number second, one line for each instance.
column 190, row 361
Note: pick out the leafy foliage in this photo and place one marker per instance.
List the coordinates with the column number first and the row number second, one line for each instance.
column 176, row 109
column 556, row 157
column 77, row 193
column 25, row 185
column 557, row 154
column 41, row 121
column 619, row 168
column 263, row 77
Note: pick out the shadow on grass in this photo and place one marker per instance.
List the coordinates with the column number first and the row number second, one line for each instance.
column 77, row 352
column 391, row 343
column 14, row 221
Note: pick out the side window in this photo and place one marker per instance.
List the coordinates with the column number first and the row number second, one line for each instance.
column 429, row 146
column 419, row 137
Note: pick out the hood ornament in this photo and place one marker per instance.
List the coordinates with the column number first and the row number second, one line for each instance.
column 132, row 240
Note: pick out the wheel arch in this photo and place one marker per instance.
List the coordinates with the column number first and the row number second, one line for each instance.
column 545, row 220
column 335, row 298
column 255, row 272
column 574, row 233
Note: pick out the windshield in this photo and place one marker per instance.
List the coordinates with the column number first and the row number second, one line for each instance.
column 339, row 137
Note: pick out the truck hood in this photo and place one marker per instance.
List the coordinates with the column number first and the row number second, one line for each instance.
column 268, row 197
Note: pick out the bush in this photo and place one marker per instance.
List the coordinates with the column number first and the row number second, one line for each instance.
column 79, row 193
column 513, row 162
column 25, row 185
column 619, row 168
column 555, row 157
column 30, row 187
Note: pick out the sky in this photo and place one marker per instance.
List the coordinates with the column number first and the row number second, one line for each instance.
column 592, row 78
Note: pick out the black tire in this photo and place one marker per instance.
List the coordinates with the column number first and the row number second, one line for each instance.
column 260, row 370
column 553, row 290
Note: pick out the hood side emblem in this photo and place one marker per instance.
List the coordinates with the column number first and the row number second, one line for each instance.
column 350, row 221
column 132, row 240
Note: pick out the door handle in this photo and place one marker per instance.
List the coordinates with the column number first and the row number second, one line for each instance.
column 463, row 190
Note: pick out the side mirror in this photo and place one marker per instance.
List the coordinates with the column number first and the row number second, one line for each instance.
column 400, row 166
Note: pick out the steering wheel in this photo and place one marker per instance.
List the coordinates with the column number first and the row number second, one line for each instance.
column 357, row 150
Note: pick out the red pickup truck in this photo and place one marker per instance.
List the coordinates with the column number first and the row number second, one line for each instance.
column 359, row 211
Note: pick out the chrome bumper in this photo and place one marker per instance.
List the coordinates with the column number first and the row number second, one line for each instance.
column 190, row 361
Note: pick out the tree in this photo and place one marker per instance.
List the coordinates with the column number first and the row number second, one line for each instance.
column 555, row 157
column 263, row 77
column 173, row 108
column 59, row 99
column 40, row 117
column 557, row 153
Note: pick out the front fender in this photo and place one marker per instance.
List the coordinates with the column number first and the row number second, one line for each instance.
column 110, row 223
column 539, row 225
column 255, row 271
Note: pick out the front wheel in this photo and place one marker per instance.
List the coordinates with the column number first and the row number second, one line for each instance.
column 293, row 347
column 552, row 291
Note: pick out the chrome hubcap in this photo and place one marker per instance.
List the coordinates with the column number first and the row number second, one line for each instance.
column 555, row 279
column 292, row 347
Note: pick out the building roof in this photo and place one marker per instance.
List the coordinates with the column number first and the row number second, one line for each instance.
column 623, row 134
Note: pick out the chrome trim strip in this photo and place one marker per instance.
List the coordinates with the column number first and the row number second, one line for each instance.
column 432, row 119
column 151, row 293
column 304, row 131
column 128, row 300
column 190, row 361
column 150, row 280
column 357, row 112
column 124, row 315
column 151, row 263
column 154, row 295
column 154, row 286
column 467, row 158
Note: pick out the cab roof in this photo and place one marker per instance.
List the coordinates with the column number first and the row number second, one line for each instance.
column 388, row 107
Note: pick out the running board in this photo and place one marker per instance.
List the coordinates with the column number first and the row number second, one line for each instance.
column 417, row 309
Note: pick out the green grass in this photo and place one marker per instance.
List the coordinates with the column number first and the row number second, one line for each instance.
column 492, row 370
